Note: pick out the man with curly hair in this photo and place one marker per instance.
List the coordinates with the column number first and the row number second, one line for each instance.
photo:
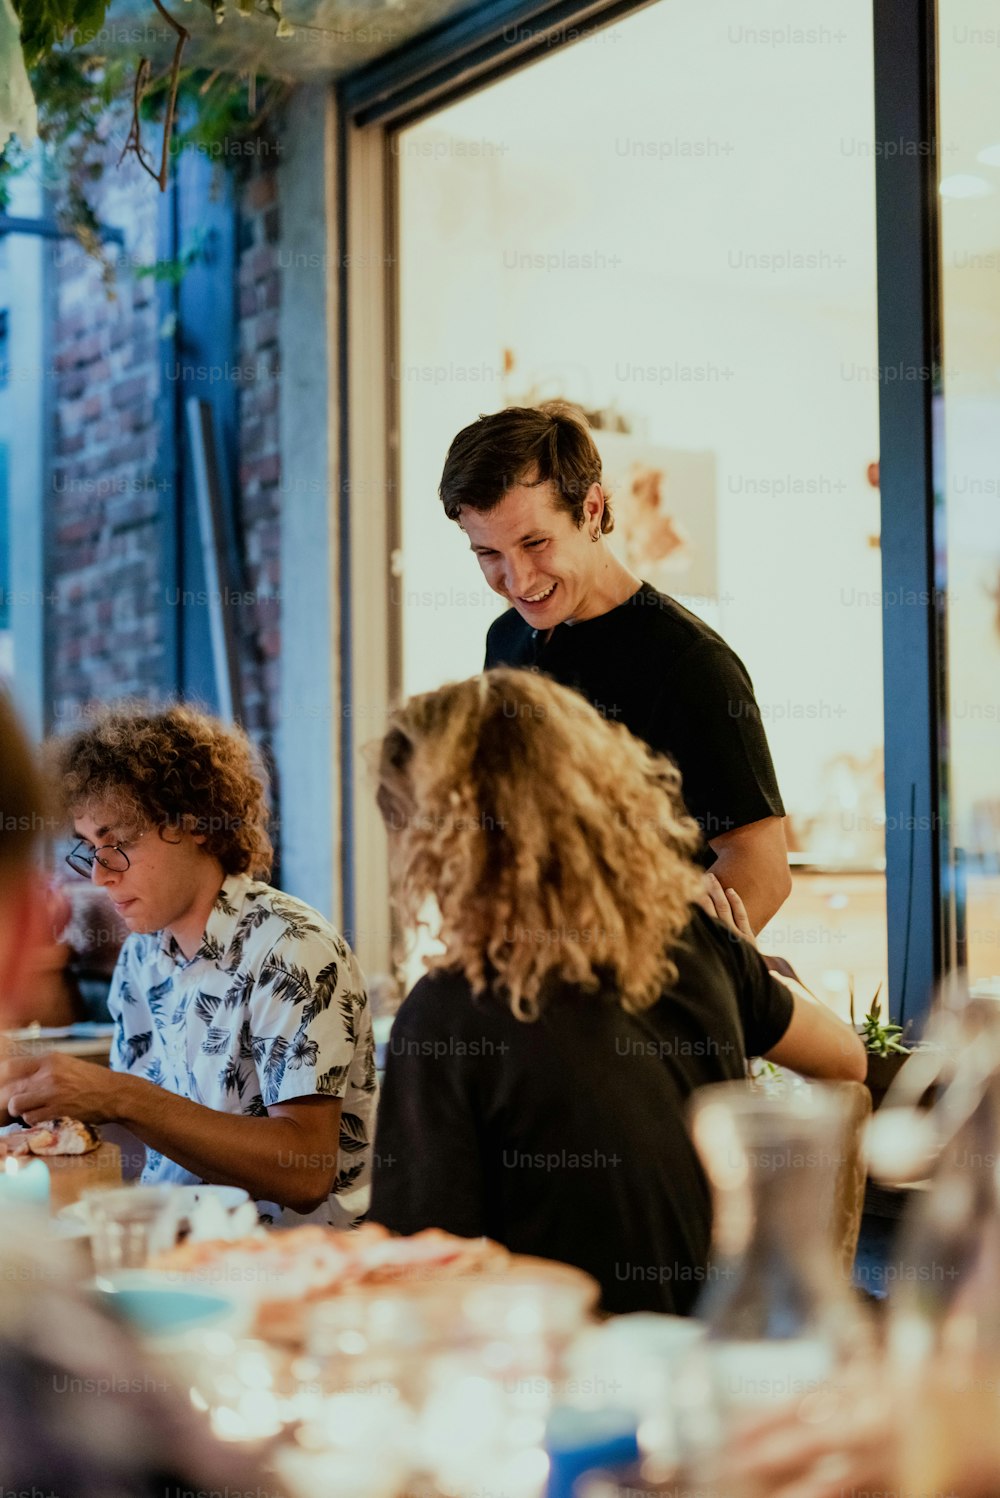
column 82, row 1413
column 243, row 1051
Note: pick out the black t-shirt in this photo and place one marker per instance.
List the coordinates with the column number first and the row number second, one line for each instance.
column 673, row 682
column 566, row 1137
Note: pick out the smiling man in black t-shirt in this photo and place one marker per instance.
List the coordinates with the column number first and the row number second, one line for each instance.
column 525, row 485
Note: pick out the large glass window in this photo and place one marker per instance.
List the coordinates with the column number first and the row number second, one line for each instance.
column 672, row 223
column 969, row 467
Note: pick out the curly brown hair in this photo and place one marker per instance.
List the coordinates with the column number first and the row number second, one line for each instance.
column 524, row 445
column 169, row 766
column 555, row 844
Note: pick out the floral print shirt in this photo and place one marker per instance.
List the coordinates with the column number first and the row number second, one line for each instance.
column 271, row 1007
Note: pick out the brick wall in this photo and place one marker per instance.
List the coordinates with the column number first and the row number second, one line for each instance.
column 259, row 472
column 103, row 621
column 105, row 615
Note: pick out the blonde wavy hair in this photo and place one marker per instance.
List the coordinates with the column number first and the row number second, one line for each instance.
column 171, row 767
column 555, row 844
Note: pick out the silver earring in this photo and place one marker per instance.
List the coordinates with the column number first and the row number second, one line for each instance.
column 595, row 535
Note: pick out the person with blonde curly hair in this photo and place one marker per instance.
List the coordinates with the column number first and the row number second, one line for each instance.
column 243, row 1051
column 537, row 1075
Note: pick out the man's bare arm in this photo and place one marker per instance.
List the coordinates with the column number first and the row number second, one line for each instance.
column 289, row 1157
column 816, row 1043
column 754, row 860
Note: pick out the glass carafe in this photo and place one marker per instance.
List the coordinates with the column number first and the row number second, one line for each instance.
column 781, row 1320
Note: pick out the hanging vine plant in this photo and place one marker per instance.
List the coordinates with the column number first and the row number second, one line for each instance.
column 86, row 100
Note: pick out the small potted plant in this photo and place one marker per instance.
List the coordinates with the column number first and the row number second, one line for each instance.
column 887, row 1053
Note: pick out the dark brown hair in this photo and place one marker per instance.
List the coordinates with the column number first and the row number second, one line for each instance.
column 169, row 767
column 22, row 799
column 523, row 445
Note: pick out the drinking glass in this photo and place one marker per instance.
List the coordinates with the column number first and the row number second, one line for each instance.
column 130, row 1225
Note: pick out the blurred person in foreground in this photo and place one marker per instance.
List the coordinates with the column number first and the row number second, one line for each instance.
column 243, row 1052
column 70, row 974
column 81, row 1414
column 894, row 1430
column 537, row 1076
column 25, row 927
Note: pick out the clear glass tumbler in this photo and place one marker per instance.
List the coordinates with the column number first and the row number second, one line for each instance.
column 130, row 1225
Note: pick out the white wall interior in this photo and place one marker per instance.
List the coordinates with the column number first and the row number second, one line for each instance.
column 673, row 220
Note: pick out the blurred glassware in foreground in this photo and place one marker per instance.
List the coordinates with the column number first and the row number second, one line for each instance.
column 24, row 1183
column 433, row 1384
column 959, row 1052
column 633, row 1363
column 130, row 1225
column 782, row 1326
column 944, row 1323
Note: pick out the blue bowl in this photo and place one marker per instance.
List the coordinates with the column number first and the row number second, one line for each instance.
column 156, row 1309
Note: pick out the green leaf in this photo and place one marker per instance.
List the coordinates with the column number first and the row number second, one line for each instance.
column 76, row 92
column 46, row 23
column 88, row 21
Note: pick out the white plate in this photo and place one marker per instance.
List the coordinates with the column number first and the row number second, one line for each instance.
column 227, row 1196
column 41, row 1032
column 62, row 1226
column 188, row 1197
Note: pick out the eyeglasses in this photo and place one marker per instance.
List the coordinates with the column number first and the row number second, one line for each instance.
column 114, row 859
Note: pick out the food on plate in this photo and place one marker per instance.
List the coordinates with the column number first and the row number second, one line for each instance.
column 284, row 1270
column 322, row 1260
column 57, row 1136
